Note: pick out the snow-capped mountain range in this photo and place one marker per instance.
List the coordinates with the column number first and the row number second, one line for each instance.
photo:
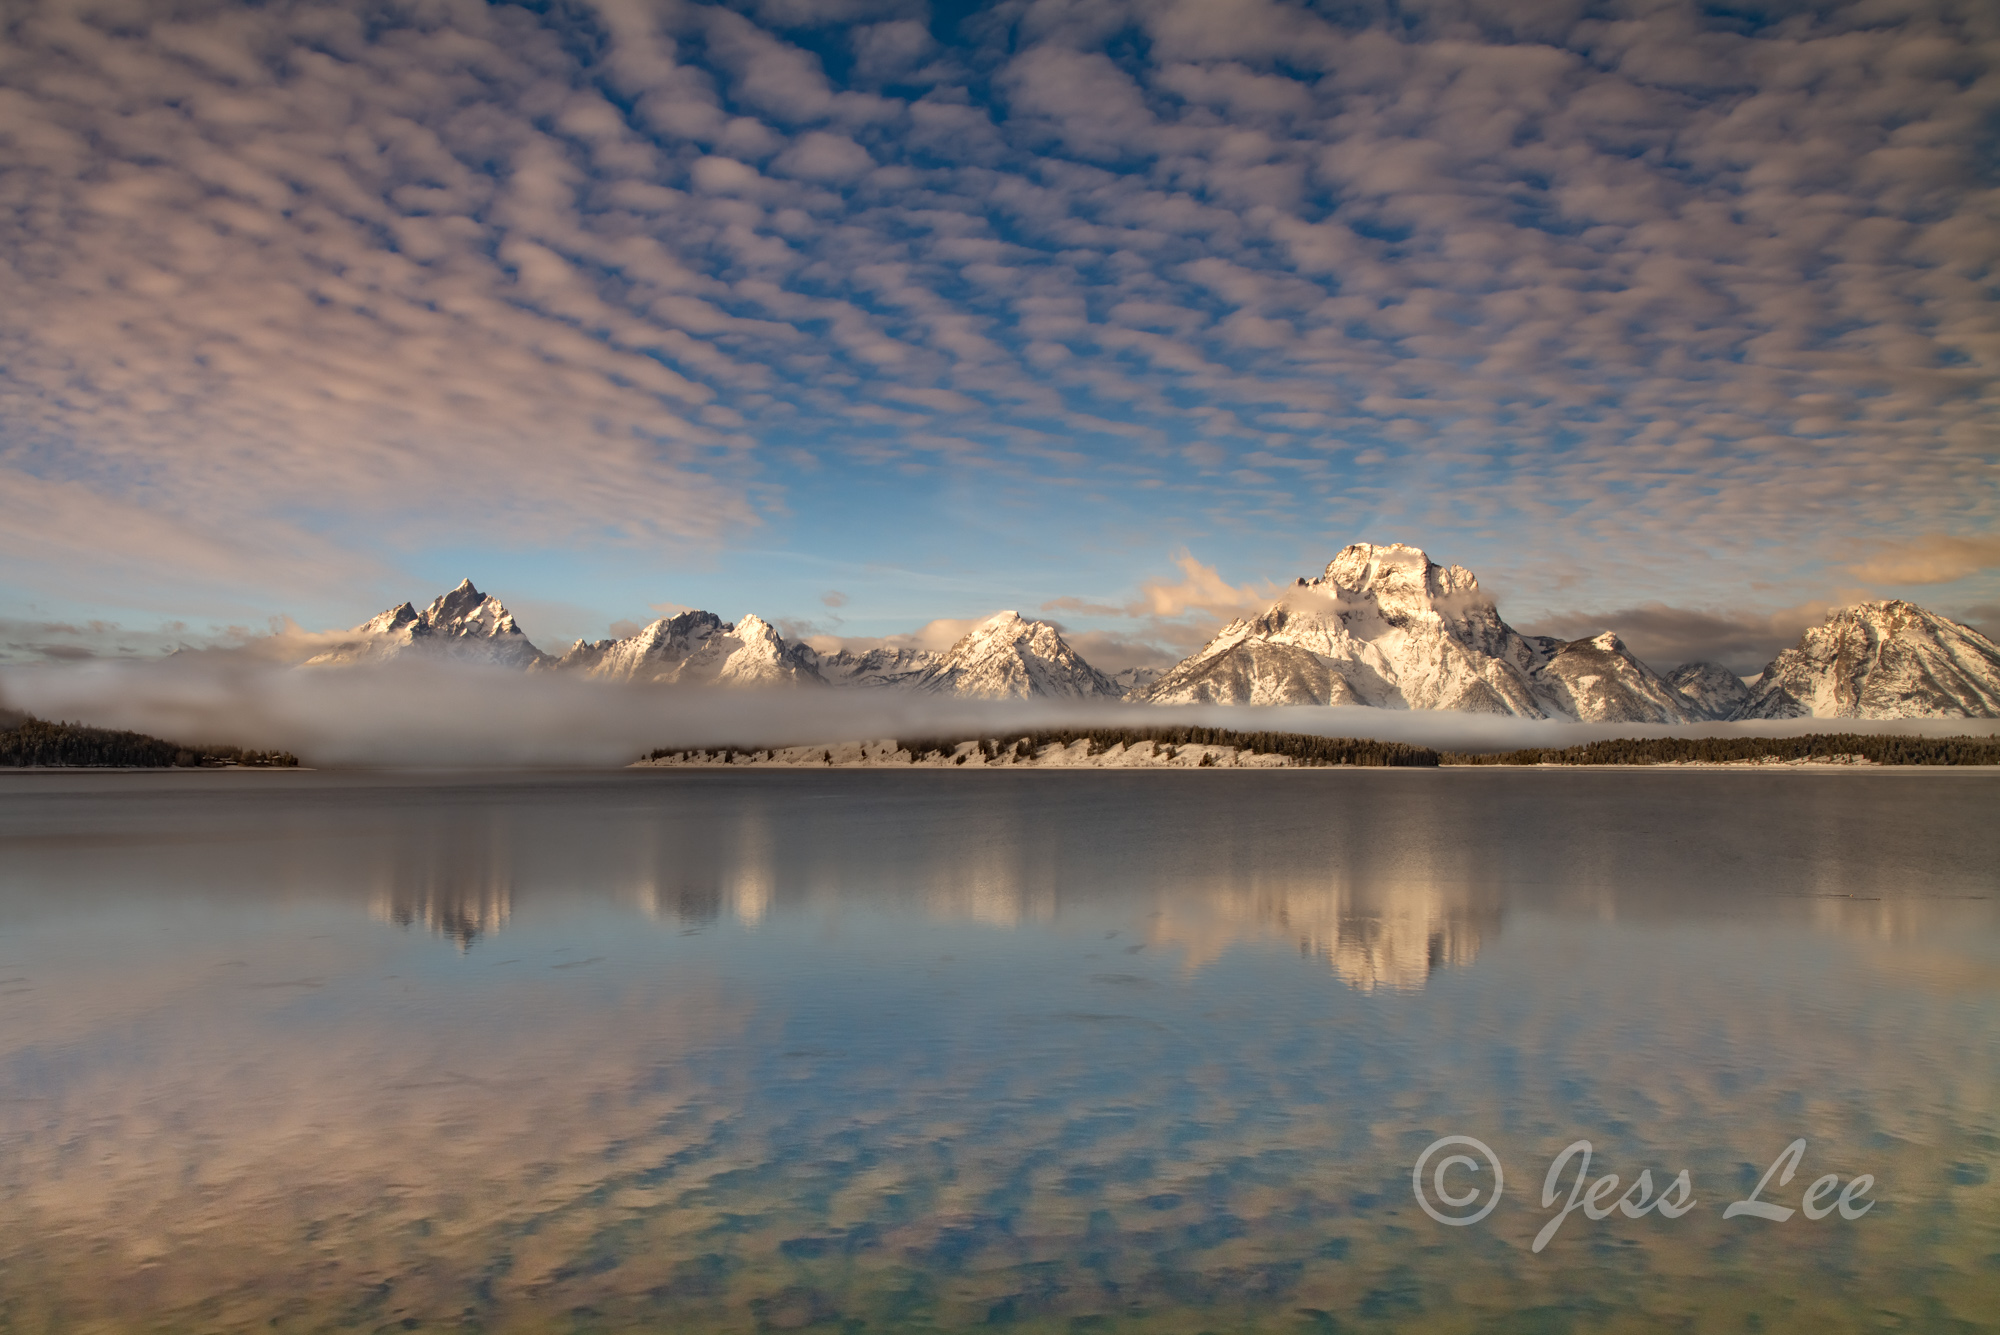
column 1383, row 626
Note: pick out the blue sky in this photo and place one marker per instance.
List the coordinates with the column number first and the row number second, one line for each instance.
column 1672, row 318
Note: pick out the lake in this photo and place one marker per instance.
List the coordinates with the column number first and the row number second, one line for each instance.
column 878, row 1051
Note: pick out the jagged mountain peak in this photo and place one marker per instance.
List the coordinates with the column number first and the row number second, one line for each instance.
column 1008, row 656
column 467, row 611
column 1385, row 625
column 1599, row 679
column 1388, row 626
column 698, row 648
column 1007, row 625
column 1882, row 659
column 463, row 624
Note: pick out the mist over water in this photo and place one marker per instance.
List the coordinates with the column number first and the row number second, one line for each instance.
column 418, row 713
column 743, row 1051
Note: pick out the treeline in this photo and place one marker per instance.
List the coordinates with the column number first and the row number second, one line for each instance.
column 35, row 742
column 1819, row 746
column 1300, row 747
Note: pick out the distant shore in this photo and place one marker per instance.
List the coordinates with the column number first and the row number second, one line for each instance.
column 1204, row 748
column 1268, row 764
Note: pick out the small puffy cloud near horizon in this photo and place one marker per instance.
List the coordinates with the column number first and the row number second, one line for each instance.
column 935, row 310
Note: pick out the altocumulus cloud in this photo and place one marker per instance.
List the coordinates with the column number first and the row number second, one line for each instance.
column 1679, row 286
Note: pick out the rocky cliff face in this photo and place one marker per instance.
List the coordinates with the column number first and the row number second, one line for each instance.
column 875, row 667
column 464, row 625
column 1712, row 690
column 1389, row 627
column 1132, row 681
column 1881, row 660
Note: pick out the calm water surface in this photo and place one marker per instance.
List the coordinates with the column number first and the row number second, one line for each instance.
column 876, row 1051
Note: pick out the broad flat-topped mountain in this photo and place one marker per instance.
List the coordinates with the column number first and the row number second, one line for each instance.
column 1384, row 627
column 1387, row 626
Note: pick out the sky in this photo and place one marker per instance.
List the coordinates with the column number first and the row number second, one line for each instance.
column 872, row 316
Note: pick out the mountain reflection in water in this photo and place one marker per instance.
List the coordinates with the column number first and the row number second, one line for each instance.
column 865, row 1051
column 1379, row 917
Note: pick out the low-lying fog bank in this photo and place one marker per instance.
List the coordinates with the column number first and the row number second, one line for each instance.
column 424, row 714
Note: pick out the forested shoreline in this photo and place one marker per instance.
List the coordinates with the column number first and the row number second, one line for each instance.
column 1313, row 751
column 1836, row 748
column 38, row 743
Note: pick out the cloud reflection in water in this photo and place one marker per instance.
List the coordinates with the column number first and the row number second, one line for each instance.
column 771, row 1050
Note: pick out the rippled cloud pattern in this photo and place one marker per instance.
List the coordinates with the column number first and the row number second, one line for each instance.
column 1633, row 276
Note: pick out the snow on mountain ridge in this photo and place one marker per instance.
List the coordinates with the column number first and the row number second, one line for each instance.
column 465, row 625
column 1384, row 626
column 1599, row 679
column 1885, row 659
column 1008, row 657
column 875, row 668
column 697, row 648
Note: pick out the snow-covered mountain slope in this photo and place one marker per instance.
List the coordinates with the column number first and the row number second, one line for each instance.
column 464, row 625
column 1712, row 690
column 875, row 667
column 1240, row 667
column 1389, row 627
column 1881, row 660
column 1599, row 679
column 1132, row 681
column 1008, row 657
column 697, row 649
column 1385, row 626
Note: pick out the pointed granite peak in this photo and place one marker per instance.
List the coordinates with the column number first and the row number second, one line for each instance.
column 1008, row 656
column 1002, row 621
column 465, row 625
